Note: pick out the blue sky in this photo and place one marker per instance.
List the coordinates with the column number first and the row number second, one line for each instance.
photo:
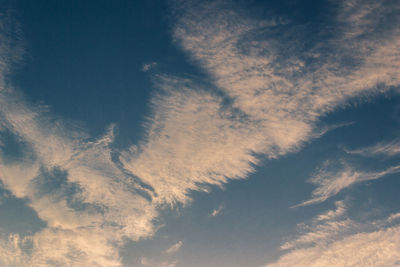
column 199, row 133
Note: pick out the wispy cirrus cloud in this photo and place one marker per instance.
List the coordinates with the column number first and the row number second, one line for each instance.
column 329, row 183
column 324, row 228
column 340, row 241
column 378, row 248
column 262, row 100
column 174, row 248
column 333, row 214
column 88, row 202
column 193, row 141
column 150, row 262
column 381, row 149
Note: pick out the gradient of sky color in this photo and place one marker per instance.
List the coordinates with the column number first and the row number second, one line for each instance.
column 199, row 133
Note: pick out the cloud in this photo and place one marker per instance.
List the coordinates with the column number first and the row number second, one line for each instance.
column 333, row 214
column 168, row 264
column 149, row 262
column 217, row 211
column 145, row 261
column 378, row 248
column 393, row 217
column 11, row 253
column 330, row 183
column 174, row 248
column 267, row 81
column 381, row 149
column 148, row 66
column 327, row 128
column 340, row 241
column 88, row 202
column 193, row 142
column 324, row 228
column 264, row 97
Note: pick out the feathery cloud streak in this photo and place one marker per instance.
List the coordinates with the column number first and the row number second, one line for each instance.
column 337, row 240
column 381, row 149
column 331, row 183
column 174, row 248
column 263, row 100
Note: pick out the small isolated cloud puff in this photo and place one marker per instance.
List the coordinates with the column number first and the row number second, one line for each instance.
column 148, row 66
column 174, row 248
column 217, row 211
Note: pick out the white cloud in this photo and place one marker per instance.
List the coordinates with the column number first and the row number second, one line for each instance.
column 90, row 205
column 275, row 98
column 148, row 66
column 193, row 142
column 333, row 214
column 174, row 248
column 150, row 262
column 393, row 217
column 84, row 225
column 145, row 261
column 217, row 211
column 381, row 149
column 250, row 70
column 340, row 241
column 168, row 264
column 193, row 137
column 11, row 252
column 324, row 228
column 378, row 248
column 330, row 183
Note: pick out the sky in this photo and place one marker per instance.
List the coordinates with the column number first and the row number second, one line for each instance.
column 199, row 133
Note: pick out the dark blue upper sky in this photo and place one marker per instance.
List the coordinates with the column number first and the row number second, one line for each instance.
column 94, row 54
